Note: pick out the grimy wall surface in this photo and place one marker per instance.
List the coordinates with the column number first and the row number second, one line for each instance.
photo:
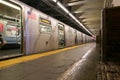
column 111, row 33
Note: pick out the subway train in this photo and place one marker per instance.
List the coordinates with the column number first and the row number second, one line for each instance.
column 35, row 31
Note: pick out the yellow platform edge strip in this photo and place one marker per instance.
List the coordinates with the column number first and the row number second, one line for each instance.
column 10, row 62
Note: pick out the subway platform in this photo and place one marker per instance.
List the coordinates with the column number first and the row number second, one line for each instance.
column 73, row 63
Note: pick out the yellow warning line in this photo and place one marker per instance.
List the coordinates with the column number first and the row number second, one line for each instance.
column 10, row 62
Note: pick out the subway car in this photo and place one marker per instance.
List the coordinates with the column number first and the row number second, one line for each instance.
column 34, row 31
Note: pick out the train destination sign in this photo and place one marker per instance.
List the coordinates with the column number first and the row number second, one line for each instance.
column 45, row 21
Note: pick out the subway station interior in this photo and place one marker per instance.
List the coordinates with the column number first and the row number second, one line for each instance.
column 59, row 39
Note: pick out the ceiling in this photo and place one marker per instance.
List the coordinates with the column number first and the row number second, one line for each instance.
column 88, row 12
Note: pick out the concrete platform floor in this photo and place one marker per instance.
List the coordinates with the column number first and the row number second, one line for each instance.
column 108, row 71
column 76, row 64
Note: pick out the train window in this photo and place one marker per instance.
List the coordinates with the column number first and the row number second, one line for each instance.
column 60, row 27
column 45, row 28
column 45, row 25
column 61, row 36
column 10, row 29
column 10, row 18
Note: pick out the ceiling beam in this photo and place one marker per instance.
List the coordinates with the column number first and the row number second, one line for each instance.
column 75, row 3
column 93, row 18
column 78, row 11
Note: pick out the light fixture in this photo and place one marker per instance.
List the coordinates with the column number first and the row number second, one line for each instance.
column 9, row 4
column 61, row 6
column 54, row 1
column 71, row 15
column 80, row 23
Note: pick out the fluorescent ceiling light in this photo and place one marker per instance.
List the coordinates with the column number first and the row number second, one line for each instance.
column 85, row 28
column 54, row 1
column 61, row 6
column 9, row 4
column 71, row 15
column 79, row 23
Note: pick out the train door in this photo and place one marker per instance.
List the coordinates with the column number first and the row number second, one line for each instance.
column 10, row 29
column 76, row 40
column 61, row 36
